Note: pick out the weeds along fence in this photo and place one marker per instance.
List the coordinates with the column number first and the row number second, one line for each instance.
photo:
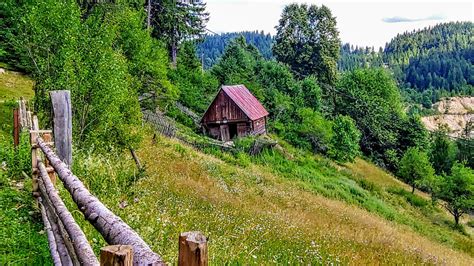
column 67, row 242
column 168, row 128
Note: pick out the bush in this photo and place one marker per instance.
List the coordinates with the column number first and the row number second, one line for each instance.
column 345, row 141
column 411, row 198
column 470, row 223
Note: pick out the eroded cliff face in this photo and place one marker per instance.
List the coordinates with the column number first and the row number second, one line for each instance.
column 455, row 112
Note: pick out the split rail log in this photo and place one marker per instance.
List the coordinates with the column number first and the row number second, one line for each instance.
column 81, row 246
column 63, row 242
column 53, row 248
column 114, row 230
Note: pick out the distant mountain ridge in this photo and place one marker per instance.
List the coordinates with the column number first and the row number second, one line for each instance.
column 435, row 60
column 213, row 46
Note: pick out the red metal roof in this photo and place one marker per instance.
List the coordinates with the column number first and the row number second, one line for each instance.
column 246, row 101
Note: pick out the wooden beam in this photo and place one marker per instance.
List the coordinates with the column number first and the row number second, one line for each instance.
column 53, row 248
column 116, row 255
column 41, row 131
column 34, row 157
column 16, row 128
column 192, row 249
column 62, row 121
column 47, row 138
column 82, row 248
column 114, row 230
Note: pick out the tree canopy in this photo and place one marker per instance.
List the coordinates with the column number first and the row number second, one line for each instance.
column 308, row 41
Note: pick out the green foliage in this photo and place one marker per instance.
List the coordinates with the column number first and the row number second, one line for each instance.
column 176, row 21
column 16, row 160
column 197, row 87
column 372, row 99
column 443, row 153
column 412, row 133
column 147, row 59
column 414, row 167
column 23, row 241
column 308, row 41
column 314, row 131
column 63, row 49
column 465, row 145
column 413, row 199
column 236, row 65
column 438, row 57
column 457, row 190
column 345, row 140
column 358, row 57
column 470, row 223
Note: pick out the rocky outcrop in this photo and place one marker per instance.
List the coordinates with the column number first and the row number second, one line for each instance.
column 455, row 113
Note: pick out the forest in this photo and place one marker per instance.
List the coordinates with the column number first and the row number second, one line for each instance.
column 331, row 104
column 428, row 64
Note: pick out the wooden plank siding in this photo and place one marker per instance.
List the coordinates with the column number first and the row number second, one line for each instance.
column 223, row 108
column 259, row 126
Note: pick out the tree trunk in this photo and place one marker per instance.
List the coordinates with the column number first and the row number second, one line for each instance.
column 135, row 158
column 456, row 215
column 174, row 53
column 113, row 229
column 148, row 18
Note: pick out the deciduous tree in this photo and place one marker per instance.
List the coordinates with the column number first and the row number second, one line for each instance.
column 415, row 167
column 308, row 41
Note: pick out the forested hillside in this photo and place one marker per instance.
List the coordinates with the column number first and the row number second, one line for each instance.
column 347, row 173
column 428, row 63
column 212, row 47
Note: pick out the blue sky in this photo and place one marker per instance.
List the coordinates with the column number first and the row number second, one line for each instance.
column 365, row 23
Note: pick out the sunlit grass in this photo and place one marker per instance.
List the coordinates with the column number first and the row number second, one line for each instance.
column 14, row 85
column 254, row 215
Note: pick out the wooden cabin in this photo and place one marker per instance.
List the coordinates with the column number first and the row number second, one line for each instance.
column 234, row 112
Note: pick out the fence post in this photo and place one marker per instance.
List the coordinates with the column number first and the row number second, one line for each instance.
column 34, row 154
column 52, row 175
column 116, row 255
column 62, row 122
column 16, row 128
column 192, row 249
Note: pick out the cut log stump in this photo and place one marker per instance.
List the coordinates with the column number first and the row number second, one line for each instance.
column 192, row 249
column 116, row 255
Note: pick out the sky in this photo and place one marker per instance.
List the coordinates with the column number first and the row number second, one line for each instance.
column 362, row 23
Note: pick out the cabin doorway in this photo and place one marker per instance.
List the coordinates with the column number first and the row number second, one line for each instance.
column 232, row 130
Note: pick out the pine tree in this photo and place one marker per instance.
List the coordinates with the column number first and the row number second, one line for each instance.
column 175, row 21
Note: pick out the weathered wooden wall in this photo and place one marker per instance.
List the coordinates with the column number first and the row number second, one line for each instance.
column 223, row 108
column 259, row 126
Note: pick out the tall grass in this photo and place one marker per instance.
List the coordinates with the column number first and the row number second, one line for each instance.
column 259, row 210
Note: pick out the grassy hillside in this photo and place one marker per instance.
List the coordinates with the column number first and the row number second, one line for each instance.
column 13, row 85
column 22, row 239
column 255, row 213
column 283, row 206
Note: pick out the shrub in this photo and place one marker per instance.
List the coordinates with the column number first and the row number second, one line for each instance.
column 345, row 141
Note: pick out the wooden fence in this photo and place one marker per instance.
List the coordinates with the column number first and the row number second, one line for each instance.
column 68, row 243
